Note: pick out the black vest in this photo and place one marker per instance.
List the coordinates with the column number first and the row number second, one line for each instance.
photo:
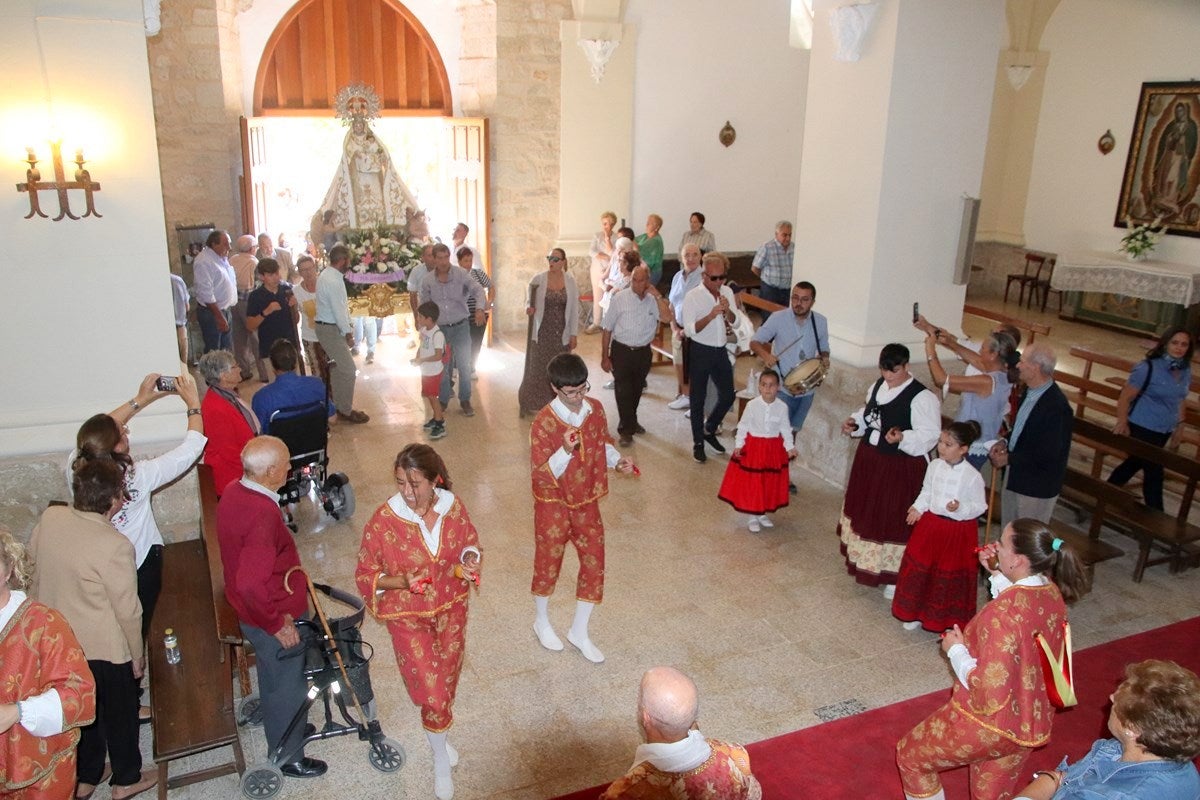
column 897, row 413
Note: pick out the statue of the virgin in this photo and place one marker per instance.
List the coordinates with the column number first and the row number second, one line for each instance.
column 366, row 190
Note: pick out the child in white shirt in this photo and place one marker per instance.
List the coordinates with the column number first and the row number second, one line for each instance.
column 431, row 358
column 756, row 480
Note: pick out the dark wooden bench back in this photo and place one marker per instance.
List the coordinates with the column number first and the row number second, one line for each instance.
column 229, row 630
column 1033, row 329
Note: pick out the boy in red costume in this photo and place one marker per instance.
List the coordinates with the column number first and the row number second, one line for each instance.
column 571, row 452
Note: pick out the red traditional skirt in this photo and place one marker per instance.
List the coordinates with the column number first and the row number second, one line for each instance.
column 757, row 481
column 939, row 573
column 873, row 527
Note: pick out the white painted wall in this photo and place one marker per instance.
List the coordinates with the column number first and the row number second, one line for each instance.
column 891, row 144
column 86, row 308
column 256, row 24
column 1101, row 51
column 700, row 63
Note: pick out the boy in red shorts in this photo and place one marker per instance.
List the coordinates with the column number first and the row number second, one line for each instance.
column 431, row 358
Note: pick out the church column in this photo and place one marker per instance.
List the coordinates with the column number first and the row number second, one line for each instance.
column 1016, row 106
column 596, row 129
column 892, row 143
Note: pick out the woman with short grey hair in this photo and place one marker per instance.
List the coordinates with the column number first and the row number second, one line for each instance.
column 228, row 421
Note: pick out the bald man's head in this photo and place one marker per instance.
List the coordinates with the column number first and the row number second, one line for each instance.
column 265, row 461
column 668, row 704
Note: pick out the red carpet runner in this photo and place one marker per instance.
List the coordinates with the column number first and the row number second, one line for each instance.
column 854, row 757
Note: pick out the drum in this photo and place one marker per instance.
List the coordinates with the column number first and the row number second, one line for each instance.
column 806, row 376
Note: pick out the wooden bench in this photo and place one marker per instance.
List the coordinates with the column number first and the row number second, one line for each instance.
column 1090, row 551
column 1151, row 528
column 1033, row 329
column 228, row 628
column 192, row 701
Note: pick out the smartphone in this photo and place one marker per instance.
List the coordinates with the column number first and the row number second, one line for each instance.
column 916, row 312
column 165, row 383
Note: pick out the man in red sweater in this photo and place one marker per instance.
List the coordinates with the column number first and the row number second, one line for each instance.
column 257, row 551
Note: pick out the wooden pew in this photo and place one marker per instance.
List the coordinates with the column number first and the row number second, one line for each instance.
column 1149, row 527
column 229, row 629
column 1033, row 329
column 192, row 701
column 1090, row 551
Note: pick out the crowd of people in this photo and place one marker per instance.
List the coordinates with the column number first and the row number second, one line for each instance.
column 908, row 522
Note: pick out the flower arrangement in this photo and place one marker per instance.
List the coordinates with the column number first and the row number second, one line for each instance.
column 380, row 255
column 1141, row 239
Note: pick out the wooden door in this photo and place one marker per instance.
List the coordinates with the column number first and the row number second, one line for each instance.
column 254, row 181
column 466, row 180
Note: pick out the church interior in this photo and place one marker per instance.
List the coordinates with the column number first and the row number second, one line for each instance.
column 867, row 136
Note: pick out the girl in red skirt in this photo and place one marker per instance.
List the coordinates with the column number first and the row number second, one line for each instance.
column 756, row 481
column 939, row 572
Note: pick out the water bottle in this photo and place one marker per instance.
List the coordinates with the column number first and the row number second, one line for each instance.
column 171, row 643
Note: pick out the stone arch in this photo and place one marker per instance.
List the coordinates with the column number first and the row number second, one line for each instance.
column 321, row 45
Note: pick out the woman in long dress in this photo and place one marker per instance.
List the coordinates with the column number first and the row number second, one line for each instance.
column 554, row 306
column 419, row 555
column 899, row 424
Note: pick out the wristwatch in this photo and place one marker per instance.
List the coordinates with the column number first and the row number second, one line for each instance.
column 193, row 412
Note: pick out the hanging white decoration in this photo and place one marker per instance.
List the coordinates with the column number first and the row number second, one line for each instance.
column 598, row 53
column 850, row 25
column 1018, row 74
column 152, row 12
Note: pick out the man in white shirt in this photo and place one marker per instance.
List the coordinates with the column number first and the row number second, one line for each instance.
column 216, row 292
column 708, row 311
column 688, row 278
column 458, row 240
column 629, row 326
column 336, row 333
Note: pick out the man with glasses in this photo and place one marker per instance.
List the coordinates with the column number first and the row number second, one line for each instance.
column 450, row 287
column 571, row 452
column 708, row 314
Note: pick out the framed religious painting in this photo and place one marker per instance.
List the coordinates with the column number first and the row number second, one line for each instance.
column 1162, row 171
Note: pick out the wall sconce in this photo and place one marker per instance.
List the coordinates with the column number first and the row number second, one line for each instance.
column 34, row 184
column 727, row 134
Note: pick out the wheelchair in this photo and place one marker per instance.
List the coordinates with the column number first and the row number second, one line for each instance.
column 305, row 431
column 337, row 667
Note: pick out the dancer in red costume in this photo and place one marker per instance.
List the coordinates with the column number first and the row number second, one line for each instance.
column 419, row 556
column 571, row 452
column 999, row 709
column 756, row 480
column 47, row 694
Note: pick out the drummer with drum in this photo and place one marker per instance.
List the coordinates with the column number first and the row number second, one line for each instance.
column 795, row 342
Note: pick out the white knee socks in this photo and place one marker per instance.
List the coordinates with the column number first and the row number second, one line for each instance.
column 443, row 784
column 583, row 613
column 542, row 604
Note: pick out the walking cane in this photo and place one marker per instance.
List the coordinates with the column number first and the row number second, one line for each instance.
column 312, row 591
column 987, row 530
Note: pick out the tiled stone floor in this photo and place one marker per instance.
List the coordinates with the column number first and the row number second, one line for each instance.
column 769, row 625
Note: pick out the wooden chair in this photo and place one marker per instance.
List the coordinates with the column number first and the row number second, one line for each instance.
column 1043, row 285
column 1028, row 277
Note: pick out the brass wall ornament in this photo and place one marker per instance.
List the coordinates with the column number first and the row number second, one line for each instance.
column 34, row 184
column 1106, row 143
column 727, row 134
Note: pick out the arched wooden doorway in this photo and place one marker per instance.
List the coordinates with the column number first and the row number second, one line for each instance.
column 318, row 47
column 322, row 45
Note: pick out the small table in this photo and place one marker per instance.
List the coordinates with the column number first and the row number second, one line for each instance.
column 1144, row 297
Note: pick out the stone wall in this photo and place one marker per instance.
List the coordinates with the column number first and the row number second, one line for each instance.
column 524, row 149
column 29, row 485
column 196, row 78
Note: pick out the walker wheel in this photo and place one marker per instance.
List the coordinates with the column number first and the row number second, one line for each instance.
column 262, row 781
column 339, row 502
column 386, row 756
column 250, row 711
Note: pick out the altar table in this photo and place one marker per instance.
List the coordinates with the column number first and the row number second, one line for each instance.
column 1145, row 297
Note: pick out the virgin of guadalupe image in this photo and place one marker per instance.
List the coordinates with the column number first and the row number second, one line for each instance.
column 366, row 190
column 1173, row 161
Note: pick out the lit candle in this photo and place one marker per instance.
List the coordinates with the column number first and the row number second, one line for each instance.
column 30, row 155
column 79, row 154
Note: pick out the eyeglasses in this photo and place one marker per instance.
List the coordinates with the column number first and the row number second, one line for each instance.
column 553, row 258
column 576, row 392
column 720, row 277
